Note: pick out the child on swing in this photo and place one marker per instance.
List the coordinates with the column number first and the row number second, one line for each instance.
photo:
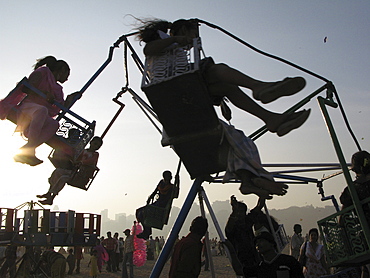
column 164, row 191
column 35, row 117
column 86, row 163
column 224, row 81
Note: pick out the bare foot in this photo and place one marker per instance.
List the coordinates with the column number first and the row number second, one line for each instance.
column 271, row 187
column 246, row 189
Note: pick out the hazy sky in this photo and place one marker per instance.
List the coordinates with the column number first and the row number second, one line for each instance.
column 132, row 159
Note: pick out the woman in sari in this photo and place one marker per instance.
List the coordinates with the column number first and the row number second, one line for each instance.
column 315, row 265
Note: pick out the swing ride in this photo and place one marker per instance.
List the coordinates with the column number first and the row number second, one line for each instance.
column 180, row 103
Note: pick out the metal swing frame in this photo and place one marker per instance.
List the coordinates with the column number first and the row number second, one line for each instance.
column 196, row 187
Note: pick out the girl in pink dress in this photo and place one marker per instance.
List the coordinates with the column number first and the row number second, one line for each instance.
column 35, row 117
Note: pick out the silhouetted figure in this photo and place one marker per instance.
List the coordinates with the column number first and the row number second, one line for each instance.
column 93, row 264
column 9, row 265
column 296, row 241
column 222, row 80
column 273, row 264
column 110, row 245
column 239, row 231
column 361, row 167
column 71, row 261
column 102, row 255
column 79, row 256
column 186, row 258
column 128, row 252
column 86, row 163
column 55, row 261
column 164, row 194
column 35, row 114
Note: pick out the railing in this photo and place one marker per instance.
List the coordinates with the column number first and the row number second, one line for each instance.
column 172, row 63
column 344, row 237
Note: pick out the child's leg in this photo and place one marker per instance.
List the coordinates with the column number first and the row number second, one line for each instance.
column 271, row 186
column 264, row 91
column 247, row 186
column 223, row 73
column 41, row 128
column 57, row 181
column 272, row 120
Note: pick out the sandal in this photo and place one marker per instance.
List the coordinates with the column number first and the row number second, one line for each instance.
column 287, row 87
column 27, row 159
column 293, row 121
column 46, row 195
column 48, row 201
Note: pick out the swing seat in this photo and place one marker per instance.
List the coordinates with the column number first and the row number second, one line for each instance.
column 344, row 238
column 68, row 120
column 83, row 177
column 156, row 217
column 185, row 110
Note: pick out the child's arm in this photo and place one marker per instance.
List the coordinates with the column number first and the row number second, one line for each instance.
column 260, row 204
column 151, row 197
column 92, row 161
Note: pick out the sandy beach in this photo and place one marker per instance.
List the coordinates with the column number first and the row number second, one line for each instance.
column 222, row 267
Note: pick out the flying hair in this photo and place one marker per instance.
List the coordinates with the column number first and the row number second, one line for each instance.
column 148, row 31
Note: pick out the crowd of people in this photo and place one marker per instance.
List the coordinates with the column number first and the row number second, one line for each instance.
column 250, row 242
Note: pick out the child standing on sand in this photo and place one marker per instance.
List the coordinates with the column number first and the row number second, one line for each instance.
column 93, row 264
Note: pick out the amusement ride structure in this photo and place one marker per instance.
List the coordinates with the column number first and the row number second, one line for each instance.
column 179, row 102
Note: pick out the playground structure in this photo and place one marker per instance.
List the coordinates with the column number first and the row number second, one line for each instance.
column 43, row 227
column 197, row 143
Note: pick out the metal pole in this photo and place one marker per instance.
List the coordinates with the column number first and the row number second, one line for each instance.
column 272, row 228
column 356, row 201
column 206, row 240
column 219, row 231
column 166, row 250
column 122, row 105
